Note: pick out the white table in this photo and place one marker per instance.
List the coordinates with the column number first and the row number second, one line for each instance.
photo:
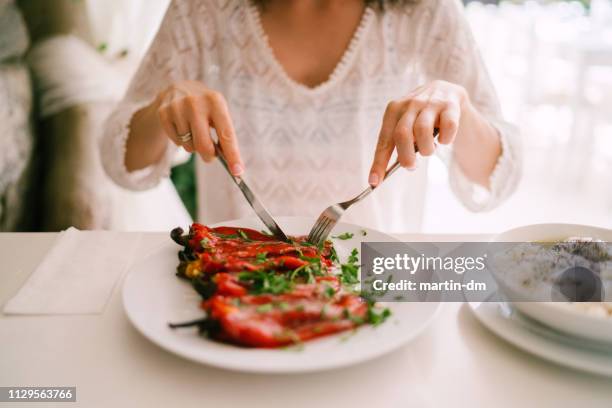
column 455, row 362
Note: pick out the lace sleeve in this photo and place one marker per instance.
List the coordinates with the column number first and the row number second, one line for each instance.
column 174, row 55
column 451, row 54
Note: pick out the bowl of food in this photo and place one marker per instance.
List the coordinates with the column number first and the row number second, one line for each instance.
column 538, row 260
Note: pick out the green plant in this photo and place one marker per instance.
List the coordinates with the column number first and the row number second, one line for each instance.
column 183, row 177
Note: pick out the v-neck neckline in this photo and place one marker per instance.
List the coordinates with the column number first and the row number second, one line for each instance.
column 339, row 70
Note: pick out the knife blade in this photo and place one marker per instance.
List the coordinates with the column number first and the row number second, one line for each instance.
column 255, row 203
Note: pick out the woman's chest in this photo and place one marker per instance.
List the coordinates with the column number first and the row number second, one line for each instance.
column 270, row 108
column 308, row 40
column 363, row 67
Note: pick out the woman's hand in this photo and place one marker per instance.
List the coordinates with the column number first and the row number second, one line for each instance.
column 189, row 106
column 408, row 125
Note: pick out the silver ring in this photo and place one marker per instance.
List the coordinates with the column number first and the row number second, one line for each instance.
column 186, row 138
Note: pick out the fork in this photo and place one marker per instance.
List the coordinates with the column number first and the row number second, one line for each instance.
column 332, row 214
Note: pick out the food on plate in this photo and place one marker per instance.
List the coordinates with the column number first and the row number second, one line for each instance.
column 261, row 292
column 538, row 270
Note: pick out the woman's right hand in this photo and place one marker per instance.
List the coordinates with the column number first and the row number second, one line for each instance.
column 189, row 106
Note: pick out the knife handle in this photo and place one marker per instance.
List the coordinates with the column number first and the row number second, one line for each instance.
column 221, row 158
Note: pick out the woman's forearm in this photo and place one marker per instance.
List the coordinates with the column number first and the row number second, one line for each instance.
column 146, row 141
column 477, row 147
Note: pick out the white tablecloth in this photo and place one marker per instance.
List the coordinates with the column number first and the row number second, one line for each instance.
column 455, row 362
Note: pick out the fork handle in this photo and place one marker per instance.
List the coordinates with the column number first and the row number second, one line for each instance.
column 390, row 171
column 369, row 189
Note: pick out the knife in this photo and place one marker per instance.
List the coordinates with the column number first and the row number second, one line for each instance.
column 255, row 203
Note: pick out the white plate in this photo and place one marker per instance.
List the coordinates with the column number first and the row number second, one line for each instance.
column 531, row 340
column 562, row 316
column 154, row 296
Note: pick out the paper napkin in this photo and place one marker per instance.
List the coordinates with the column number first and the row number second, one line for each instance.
column 78, row 274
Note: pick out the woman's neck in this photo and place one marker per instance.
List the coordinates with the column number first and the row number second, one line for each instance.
column 309, row 37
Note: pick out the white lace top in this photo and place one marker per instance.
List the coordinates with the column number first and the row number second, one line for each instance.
column 305, row 148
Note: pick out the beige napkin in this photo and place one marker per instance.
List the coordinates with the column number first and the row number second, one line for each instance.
column 78, row 274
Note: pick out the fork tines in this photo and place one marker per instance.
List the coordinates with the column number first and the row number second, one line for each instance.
column 321, row 229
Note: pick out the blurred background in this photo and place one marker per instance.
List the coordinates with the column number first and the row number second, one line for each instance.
column 65, row 63
column 551, row 63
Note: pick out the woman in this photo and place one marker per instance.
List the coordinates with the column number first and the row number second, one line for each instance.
column 310, row 98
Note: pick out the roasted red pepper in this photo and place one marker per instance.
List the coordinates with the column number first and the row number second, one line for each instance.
column 269, row 293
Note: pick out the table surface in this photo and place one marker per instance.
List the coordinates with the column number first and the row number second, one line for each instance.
column 454, row 362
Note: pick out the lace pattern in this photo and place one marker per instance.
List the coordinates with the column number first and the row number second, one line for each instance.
column 305, row 148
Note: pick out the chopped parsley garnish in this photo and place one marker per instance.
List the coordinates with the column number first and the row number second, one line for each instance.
column 350, row 270
column 334, row 255
column 355, row 319
column 244, row 236
column 264, row 308
column 344, row 236
column 314, row 259
column 309, row 271
column 266, row 282
column 377, row 317
column 374, row 316
column 364, row 232
column 349, row 274
column 261, row 257
column 227, row 236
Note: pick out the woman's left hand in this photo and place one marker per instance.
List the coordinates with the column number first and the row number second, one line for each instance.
column 408, row 125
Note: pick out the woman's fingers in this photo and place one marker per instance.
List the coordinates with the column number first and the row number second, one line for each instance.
column 188, row 107
column 202, row 140
column 200, row 130
column 449, row 124
column 176, row 124
column 181, row 126
column 385, row 145
column 167, row 123
column 221, row 121
column 403, row 136
column 424, row 129
column 411, row 125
